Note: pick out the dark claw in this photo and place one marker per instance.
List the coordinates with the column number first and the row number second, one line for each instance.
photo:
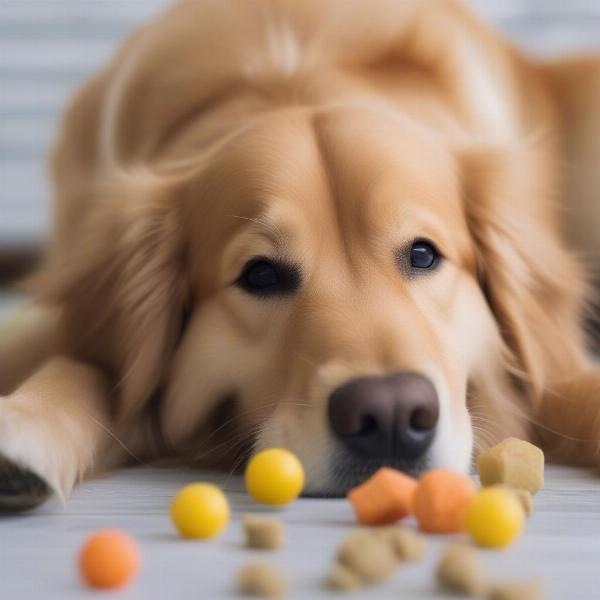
column 20, row 489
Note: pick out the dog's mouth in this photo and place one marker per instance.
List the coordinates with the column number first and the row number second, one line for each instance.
column 348, row 471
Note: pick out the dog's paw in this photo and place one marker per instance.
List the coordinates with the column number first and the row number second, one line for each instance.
column 20, row 489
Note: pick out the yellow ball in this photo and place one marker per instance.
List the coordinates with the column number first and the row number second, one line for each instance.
column 495, row 518
column 200, row 511
column 274, row 476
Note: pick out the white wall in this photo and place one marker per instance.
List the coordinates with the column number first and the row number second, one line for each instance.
column 48, row 47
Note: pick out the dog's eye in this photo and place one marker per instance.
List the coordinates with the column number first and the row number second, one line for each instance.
column 263, row 277
column 260, row 275
column 423, row 255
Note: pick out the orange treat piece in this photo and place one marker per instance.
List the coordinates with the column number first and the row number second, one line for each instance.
column 109, row 559
column 441, row 501
column 385, row 497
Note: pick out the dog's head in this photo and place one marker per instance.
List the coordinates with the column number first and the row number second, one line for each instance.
column 359, row 285
column 337, row 306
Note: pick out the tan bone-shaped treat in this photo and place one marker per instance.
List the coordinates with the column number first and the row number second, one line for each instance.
column 460, row 571
column 407, row 545
column 263, row 533
column 515, row 463
column 367, row 555
column 524, row 498
column 343, row 579
column 528, row 590
column 262, row 580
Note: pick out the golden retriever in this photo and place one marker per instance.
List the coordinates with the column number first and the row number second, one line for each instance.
column 359, row 230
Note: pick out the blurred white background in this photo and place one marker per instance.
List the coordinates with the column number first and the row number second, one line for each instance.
column 49, row 47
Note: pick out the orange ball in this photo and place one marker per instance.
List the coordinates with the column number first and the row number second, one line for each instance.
column 109, row 559
column 441, row 500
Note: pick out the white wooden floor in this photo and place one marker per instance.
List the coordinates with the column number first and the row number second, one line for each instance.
column 38, row 550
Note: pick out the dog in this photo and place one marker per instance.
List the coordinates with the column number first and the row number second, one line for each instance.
column 363, row 231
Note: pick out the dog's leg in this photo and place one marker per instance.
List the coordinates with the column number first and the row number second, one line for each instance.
column 568, row 423
column 29, row 334
column 51, row 428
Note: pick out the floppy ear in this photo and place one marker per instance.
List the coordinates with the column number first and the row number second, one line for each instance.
column 574, row 84
column 116, row 266
column 534, row 286
column 123, row 293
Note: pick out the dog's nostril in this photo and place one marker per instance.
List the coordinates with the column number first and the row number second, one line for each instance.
column 422, row 419
column 368, row 426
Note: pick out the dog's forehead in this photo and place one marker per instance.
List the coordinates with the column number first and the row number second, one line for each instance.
column 353, row 156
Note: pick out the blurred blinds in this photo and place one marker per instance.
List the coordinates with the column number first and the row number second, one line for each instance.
column 49, row 47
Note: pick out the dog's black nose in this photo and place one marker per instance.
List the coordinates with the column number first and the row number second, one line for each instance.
column 390, row 417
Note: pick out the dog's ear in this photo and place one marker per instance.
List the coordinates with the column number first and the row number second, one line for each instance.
column 116, row 266
column 534, row 286
column 574, row 84
column 124, row 292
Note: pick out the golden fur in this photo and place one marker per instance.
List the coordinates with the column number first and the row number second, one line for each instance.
column 330, row 134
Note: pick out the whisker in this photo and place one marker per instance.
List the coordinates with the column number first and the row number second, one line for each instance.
column 245, row 453
column 117, row 439
column 306, row 360
column 229, row 444
column 258, row 220
column 238, row 416
column 243, row 414
column 537, row 423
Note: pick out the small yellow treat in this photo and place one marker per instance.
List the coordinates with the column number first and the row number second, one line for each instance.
column 341, row 578
column 200, row 510
column 460, row 571
column 367, row 555
column 524, row 497
column 528, row 590
column 495, row 518
column 514, row 463
column 263, row 533
column 407, row 545
column 274, row 476
column 262, row 580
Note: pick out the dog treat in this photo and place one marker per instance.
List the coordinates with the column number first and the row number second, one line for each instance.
column 514, row 463
column 528, row 590
column 343, row 579
column 263, row 580
column 524, row 497
column 263, row 533
column 495, row 518
column 200, row 511
column 406, row 544
column 460, row 571
column 367, row 555
column 109, row 559
column 274, row 476
column 385, row 497
column 441, row 500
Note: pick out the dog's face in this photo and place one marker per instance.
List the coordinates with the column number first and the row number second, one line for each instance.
column 336, row 308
